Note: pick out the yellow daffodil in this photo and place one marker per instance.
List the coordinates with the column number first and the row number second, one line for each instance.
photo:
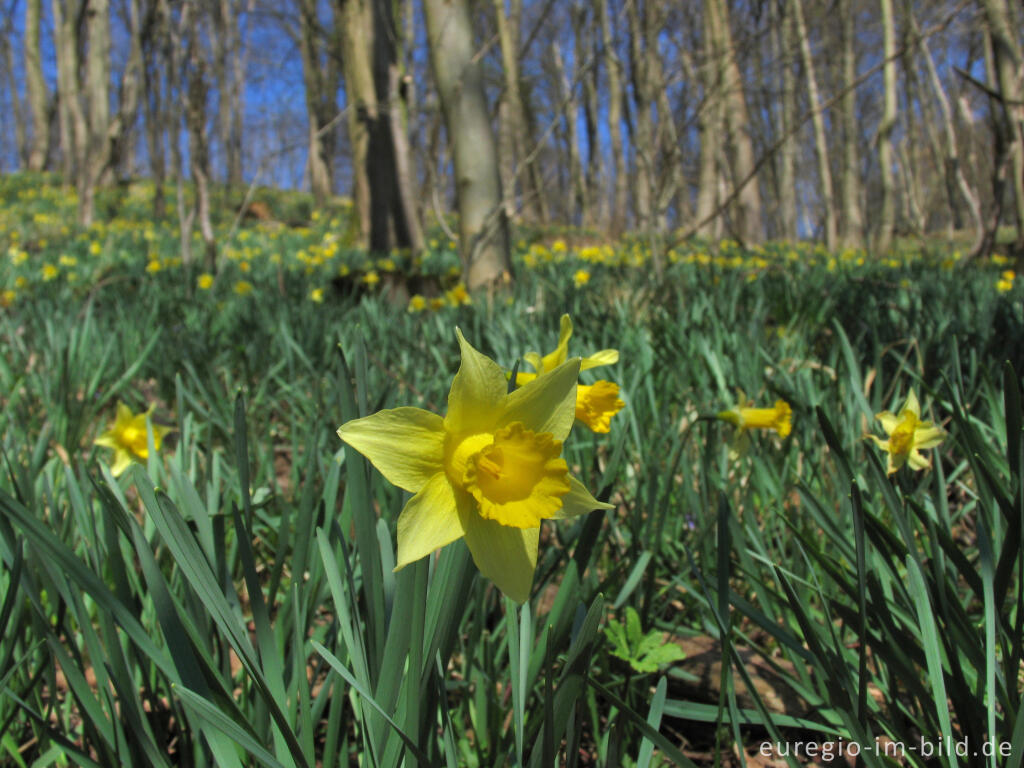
column 745, row 417
column 581, row 278
column 317, row 295
column 1005, row 282
column 128, row 438
column 595, row 403
column 417, row 303
column 243, row 288
column 907, row 436
column 205, row 281
column 490, row 470
column 371, row 278
column 458, row 295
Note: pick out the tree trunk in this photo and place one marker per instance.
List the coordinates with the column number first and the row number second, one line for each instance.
column 710, row 122
column 747, row 210
column 954, row 173
column 69, row 117
column 787, row 118
column 319, row 106
column 520, row 177
column 21, row 142
column 1007, row 55
column 852, row 221
column 195, row 93
column 886, row 156
column 575, row 200
column 613, row 68
column 818, row 122
column 643, row 145
column 483, row 225
column 155, row 61
column 381, row 166
column 35, row 89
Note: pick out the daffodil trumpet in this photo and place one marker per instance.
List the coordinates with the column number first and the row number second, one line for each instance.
column 490, row 470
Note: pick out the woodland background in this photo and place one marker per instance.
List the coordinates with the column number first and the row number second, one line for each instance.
column 844, row 121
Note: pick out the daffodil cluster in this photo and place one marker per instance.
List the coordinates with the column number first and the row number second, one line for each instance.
column 489, row 471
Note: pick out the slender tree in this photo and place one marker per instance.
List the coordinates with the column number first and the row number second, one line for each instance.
column 739, row 145
column 1007, row 61
column 886, row 153
column 613, row 70
column 381, row 167
column 483, row 223
column 35, row 89
column 851, row 222
column 818, row 122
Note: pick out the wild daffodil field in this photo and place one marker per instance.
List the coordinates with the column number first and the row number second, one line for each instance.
column 649, row 504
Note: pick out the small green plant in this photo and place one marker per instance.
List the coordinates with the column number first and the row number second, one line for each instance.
column 643, row 651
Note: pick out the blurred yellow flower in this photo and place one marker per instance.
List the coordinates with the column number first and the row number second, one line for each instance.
column 67, row 261
column 128, row 438
column 458, row 295
column 243, row 288
column 1005, row 282
column 49, row 272
column 95, row 248
column 907, row 436
column 437, row 304
column 596, row 403
column 7, row 297
column 371, row 278
column 153, row 267
column 417, row 303
column 205, row 281
column 489, row 471
column 317, row 295
column 581, row 278
column 777, row 418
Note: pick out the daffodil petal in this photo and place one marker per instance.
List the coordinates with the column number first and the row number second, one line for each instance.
column 888, row 420
column 405, row 444
column 928, row 435
column 547, row 404
column 525, row 378
column 478, row 390
column 604, row 357
column 429, row 521
column 911, row 405
column 107, row 440
column 507, row 556
column 883, row 444
column 894, row 462
column 554, row 359
column 534, row 360
column 122, row 460
column 124, row 413
column 917, row 461
column 578, row 501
